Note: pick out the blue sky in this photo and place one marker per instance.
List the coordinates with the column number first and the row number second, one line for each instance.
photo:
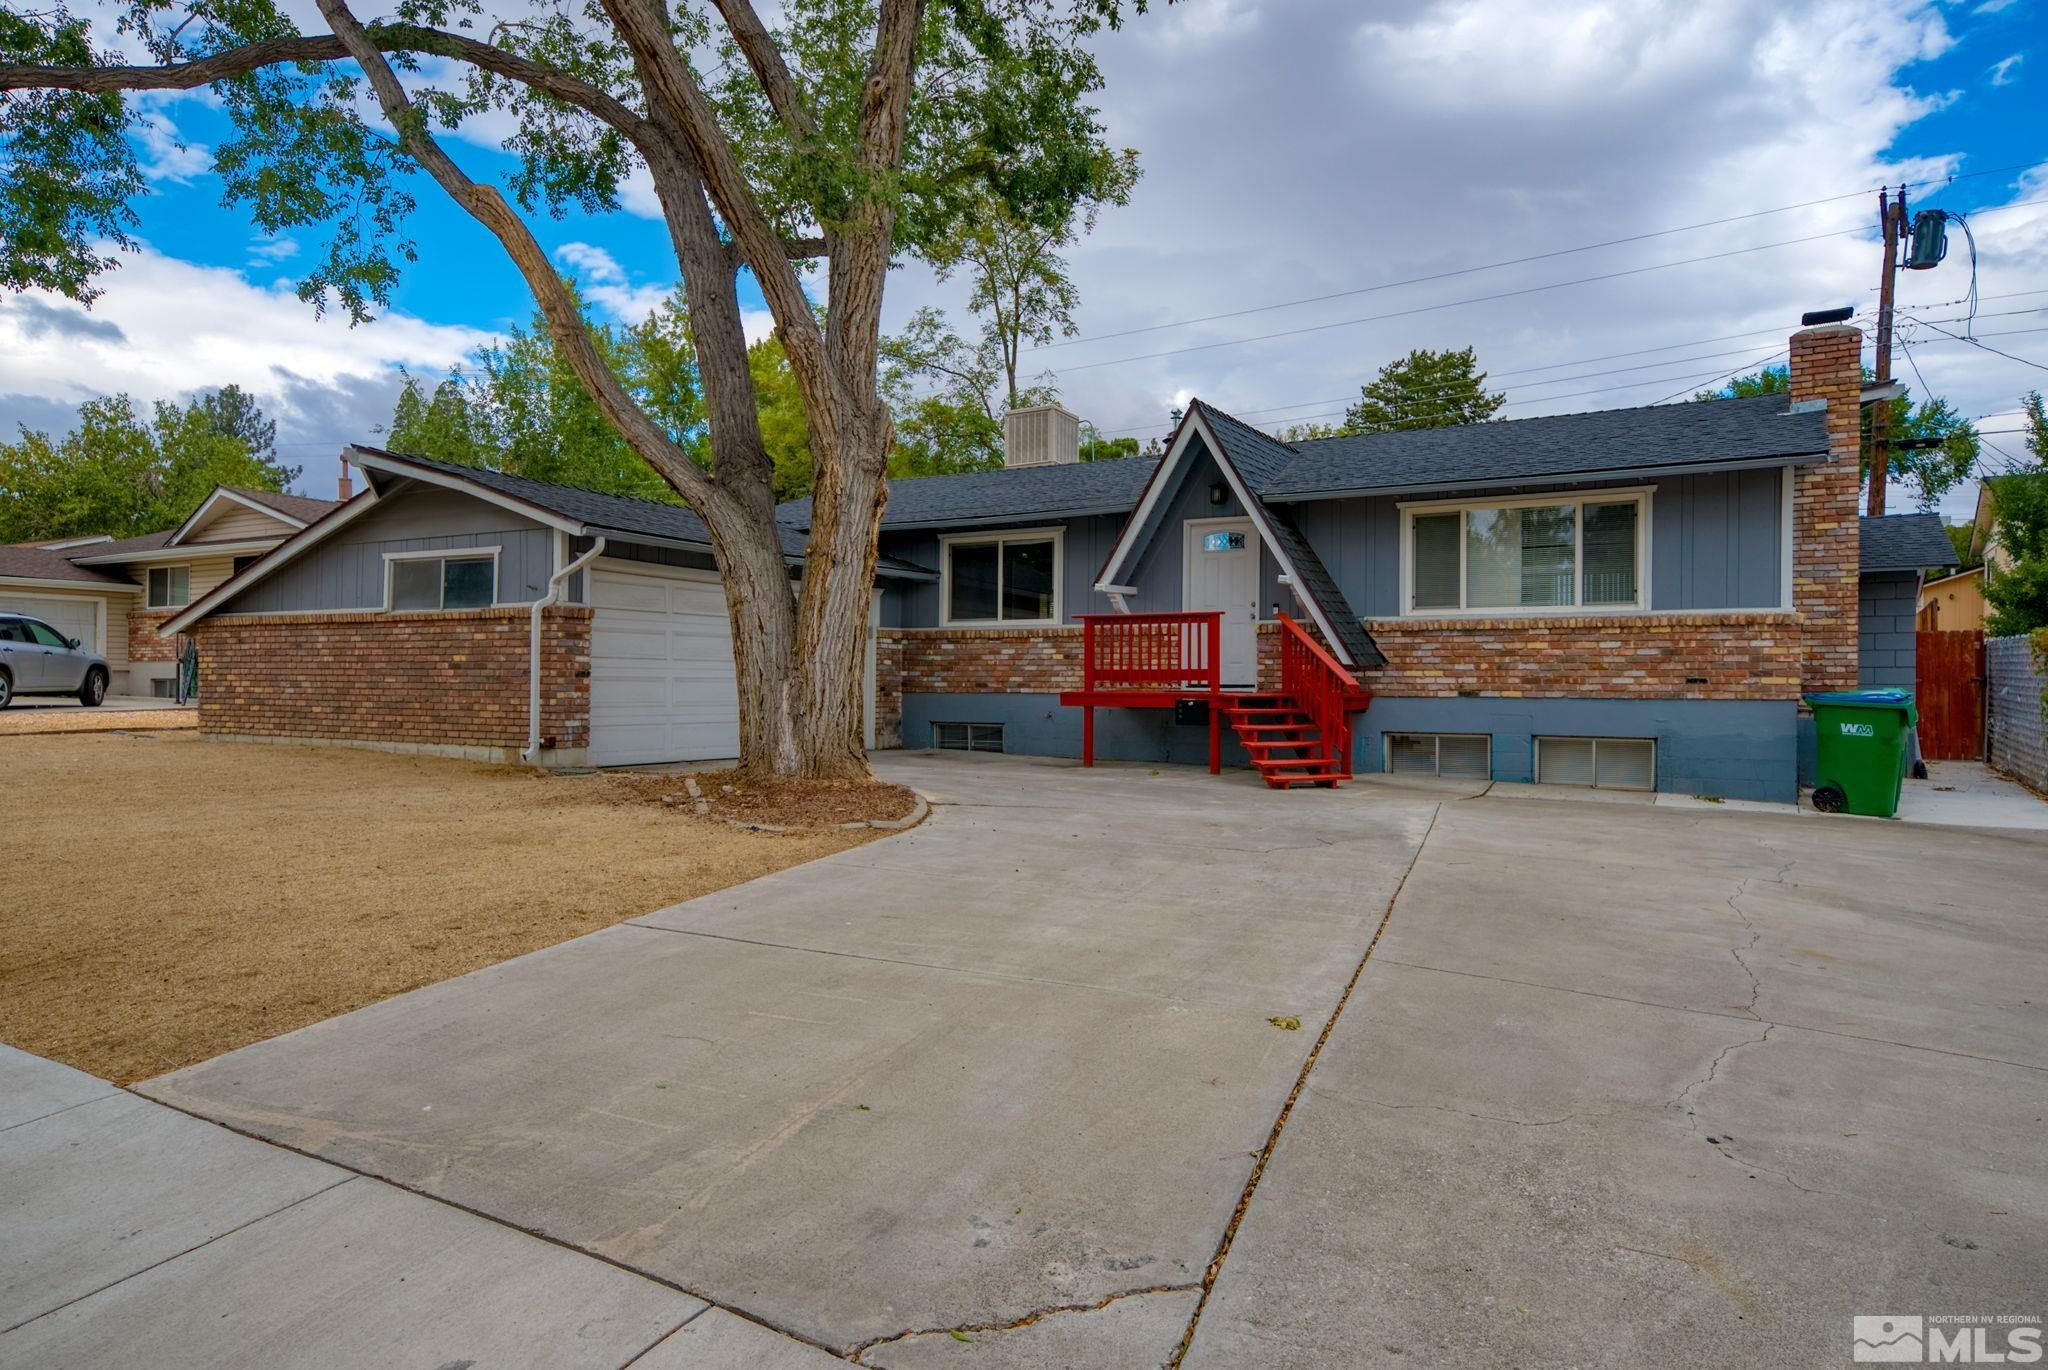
column 1320, row 152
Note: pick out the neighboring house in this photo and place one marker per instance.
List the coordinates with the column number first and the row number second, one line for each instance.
column 1631, row 597
column 1953, row 603
column 112, row 594
column 403, row 620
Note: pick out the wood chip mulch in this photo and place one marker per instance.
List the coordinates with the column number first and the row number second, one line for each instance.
column 804, row 804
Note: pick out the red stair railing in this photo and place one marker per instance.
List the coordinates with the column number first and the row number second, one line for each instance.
column 1320, row 687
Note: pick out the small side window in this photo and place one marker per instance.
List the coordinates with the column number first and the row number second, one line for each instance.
column 170, row 587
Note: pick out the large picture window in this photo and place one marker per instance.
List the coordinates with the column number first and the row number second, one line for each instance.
column 443, row 582
column 1003, row 578
column 1526, row 556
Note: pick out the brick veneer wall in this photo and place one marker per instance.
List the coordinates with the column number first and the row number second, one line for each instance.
column 888, row 690
column 143, row 642
column 984, row 660
column 1827, row 365
column 438, row 679
column 1641, row 656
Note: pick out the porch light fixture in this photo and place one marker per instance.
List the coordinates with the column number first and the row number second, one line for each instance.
column 1218, row 493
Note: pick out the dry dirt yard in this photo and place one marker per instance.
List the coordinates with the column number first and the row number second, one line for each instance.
column 170, row 898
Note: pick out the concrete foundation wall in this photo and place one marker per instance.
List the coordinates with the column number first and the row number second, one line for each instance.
column 1734, row 749
column 2018, row 746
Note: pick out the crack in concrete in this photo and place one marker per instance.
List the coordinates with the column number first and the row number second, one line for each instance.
column 1011, row 1324
column 1265, row 1153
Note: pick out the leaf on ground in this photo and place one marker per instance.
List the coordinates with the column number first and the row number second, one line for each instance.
column 1290, row 1023
column 960, row 1336
column 862, row 1108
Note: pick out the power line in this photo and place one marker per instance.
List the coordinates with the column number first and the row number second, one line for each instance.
column 1516, row 261
column 1451, row 304
column 1974, row 342
column 1497, row 295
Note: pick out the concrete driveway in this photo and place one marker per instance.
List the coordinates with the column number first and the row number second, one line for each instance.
column 1616, row 1085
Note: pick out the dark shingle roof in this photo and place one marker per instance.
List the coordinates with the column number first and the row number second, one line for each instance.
column 304, row 508
column 147, row 542
column 35, row 563
column 1262, row 460
column 1905, row 542
column 1603, row 442
column 1011, row 495
column 614, row 513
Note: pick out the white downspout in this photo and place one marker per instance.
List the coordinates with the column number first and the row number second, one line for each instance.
column 554, row 594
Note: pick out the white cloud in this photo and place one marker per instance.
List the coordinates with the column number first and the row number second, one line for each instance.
column 604, row 283
column 166, row 328
column 2001, row 70
column 165, row 156
column 268, row 251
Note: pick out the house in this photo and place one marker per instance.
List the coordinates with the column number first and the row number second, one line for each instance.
column 1630, row 598
column 1953, row 603
column 112, row 594
column 407, row 620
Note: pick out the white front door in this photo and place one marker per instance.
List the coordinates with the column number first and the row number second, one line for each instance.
column 1221, row 571
column 662, row 683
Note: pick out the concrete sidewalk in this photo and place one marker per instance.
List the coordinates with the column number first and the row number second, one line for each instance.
column 133, row 1235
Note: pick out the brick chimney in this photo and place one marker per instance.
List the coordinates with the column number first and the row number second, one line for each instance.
column 346, row 489
column 1827, row 373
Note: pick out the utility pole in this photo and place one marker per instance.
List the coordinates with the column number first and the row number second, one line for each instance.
column 1891, row 217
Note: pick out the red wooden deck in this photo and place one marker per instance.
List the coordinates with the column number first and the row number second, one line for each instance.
column 1298, row 735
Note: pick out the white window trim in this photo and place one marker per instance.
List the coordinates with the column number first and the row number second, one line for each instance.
column 445, row 554
column 149, row 600
column 1639, row 495
column 948, row 541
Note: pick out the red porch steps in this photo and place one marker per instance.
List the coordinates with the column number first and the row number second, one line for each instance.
column 1284, row 743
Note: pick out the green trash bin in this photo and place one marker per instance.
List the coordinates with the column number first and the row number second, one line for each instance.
column 1860, row 759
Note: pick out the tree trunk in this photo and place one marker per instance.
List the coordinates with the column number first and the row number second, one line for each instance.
column 838, row 591
column 761, row 603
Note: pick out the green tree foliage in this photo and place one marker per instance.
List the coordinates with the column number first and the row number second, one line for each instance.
column 2017, row 593
column 1960, row 537
column 122, row 473
column 1929, row 472
column 1095, row 447
column 522, row 410
column 1425, row 389
column 779, row 402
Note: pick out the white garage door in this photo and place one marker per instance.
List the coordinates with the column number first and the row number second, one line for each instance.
column 661, row 672
column 77, row 618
